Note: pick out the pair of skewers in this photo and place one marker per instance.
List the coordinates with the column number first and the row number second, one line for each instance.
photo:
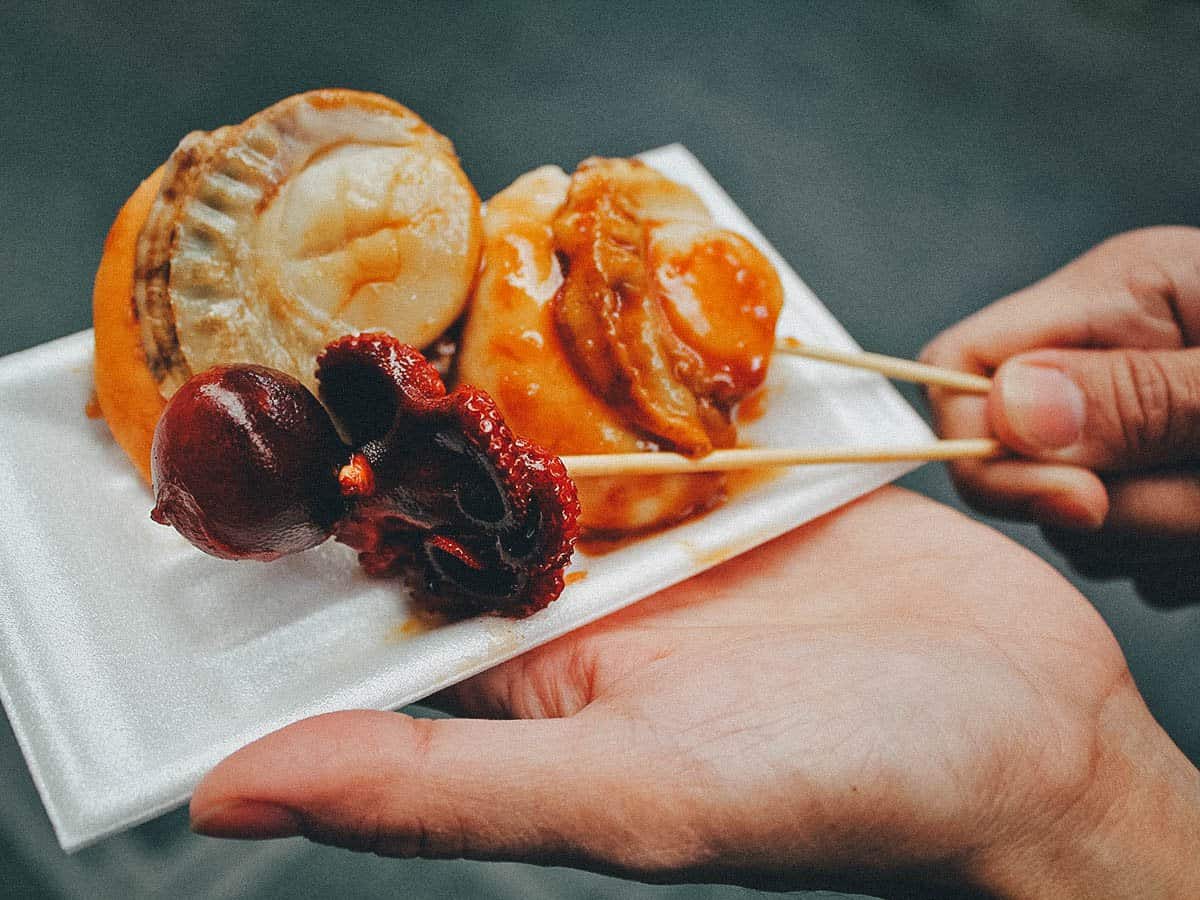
column 768, row 457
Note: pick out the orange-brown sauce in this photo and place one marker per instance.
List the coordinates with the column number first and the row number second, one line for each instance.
column 752, row 408
column 603, row 544
column 538, row 251
column 419, row 622
column 92, row 408
column 716, row 555
column 736, row 484
column 743, row 481
column 722, row 298
column 575, row 577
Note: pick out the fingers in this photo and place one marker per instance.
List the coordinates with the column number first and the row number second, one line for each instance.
column 1160, row 504
column 1072, row 411
column 1110, row 410
column 1075, row 412
column 1062, row 496
column 1138, row 290
column 1150, row 536
column 549, row 682
column 1051, row 493
column 397, row 786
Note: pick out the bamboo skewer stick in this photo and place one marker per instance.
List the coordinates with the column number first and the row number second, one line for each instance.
column 609, row 464
column 768, row 457
column 892, row 367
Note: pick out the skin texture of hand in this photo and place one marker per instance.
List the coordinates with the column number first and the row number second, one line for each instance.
column 892, row 698
column 1097, row 388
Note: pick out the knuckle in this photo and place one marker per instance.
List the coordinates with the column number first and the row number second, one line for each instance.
column 555, row 682
column 423, row 840
column 423, row 733
column 681, row 840
column 370, row 835
column 416, row 836
column 1125, row 311
column 1156, row 408
column 1151, row 238
column 361, row 833
column 1141, row 258
column 1140, row 242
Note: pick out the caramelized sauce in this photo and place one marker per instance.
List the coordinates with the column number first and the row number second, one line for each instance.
column 714, row 556
column 742, row 481
column 752, row 408
column 92, row 409
column 735, row 484
column 722, row 298
column 675, row 318
column 419, row 622
column 603, row 544
column 575, row 577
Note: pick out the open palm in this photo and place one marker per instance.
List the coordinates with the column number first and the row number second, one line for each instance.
column 890, row 695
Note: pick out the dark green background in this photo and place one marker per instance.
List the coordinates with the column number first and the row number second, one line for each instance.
column 912, row 161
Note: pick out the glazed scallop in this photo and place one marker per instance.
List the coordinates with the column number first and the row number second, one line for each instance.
column 328, row 213
column 613, row 315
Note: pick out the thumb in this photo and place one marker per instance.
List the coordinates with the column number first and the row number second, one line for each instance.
column 1110, row 410
column 398, row 786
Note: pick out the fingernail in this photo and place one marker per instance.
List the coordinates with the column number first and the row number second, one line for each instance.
column 246, row 819
column 1043, row 406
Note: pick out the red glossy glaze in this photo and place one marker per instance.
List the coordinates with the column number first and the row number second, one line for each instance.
column 486, row 520
column 244, row 463
column 436, row 488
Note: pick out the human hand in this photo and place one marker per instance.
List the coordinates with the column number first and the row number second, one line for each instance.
column 890, row 698
column 1097, row 386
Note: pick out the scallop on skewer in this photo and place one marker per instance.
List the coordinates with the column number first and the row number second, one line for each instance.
column 612, row 315
column 318, row 240
column 328, row 213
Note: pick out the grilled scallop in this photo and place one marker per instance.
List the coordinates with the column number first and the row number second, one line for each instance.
column 328, row 213
column 613, row 315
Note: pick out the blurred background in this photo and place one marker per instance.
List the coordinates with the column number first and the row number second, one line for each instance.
column 913, row 161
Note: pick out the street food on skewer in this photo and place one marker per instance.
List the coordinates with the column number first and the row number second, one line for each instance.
column 317, row 246
column 612, row 315
column 430, row 485
column 327, row 213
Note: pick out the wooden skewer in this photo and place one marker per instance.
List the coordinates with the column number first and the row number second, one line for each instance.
column 900, row 369
column 767, row 457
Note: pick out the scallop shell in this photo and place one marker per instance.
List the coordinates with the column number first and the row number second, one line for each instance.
column 328, row 213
